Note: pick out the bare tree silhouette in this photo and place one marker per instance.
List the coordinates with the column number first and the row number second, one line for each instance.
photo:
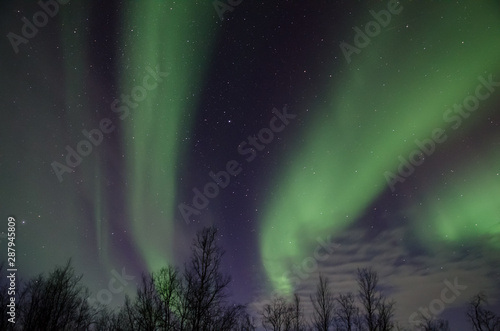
column 367, row 282
column 323, row 305
column 481, row 318
column 205, row 288
column 432, row 324
column 298, row 320
column 144, row 313
column 168, row 284
column 56, row 302
column 197, row 300
column 348, row 317
column 378, row 312
column 277, row 315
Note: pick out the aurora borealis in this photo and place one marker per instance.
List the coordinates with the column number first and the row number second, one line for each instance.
column 154, row 156
column 174, row 91
column 311, row 199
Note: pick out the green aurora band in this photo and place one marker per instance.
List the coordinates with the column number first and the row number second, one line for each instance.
column 465, row 209
column 73, row 18
column 394, row 92
column 172, row 36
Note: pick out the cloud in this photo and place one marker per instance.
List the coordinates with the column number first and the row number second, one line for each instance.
column 413, row 280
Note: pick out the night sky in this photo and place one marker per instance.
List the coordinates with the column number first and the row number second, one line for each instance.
column 337, row 142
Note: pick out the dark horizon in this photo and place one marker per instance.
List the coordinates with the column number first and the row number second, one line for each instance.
column 172, row 297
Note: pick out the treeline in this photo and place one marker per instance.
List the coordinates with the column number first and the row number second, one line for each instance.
column 197, row 298
column 367, row 310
